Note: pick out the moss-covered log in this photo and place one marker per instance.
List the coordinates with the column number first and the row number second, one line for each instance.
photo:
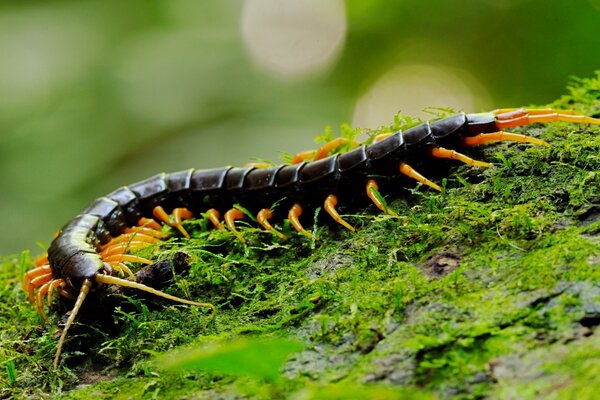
column 489, row 289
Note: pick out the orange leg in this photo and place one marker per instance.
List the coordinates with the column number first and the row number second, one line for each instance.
column 322, row 151
column 35, row 282
column 149, row 223
column 128, row 238
column 215, row 218
column 42, row 260
column 122, row 268
column 34, row 273
column 484, row 138
column 179, row 214
column 330, row 203
column 263, row 217
column 55, row 283
column 40, row 298
column 511, row 117
column 146, row 231
column 122, row 248
column 230, row 217
column 440, row 152
column 303, row 156
column 294, row 217
column 127, row 257
column 371, row 189
column 410, row 172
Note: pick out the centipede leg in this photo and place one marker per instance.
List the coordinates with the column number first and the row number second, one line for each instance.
column 179, row 214
column 330, row 203
column 36, row 282
column 372, row 187
column 55, row 283
column 230, row 217
column 484, row 138
column 410, row 172
column 440, row 152
column 511, row 117
column 149, row 223
column 40, row 298
column 263, row 217
column 322, row 151
column 215, row 218
column 294, row 217
column 122, row 268
column 34, row 273
column 127, row 257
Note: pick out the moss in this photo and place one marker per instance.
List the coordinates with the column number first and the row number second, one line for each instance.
column 488, row 289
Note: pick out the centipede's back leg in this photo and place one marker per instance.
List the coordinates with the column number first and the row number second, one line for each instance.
column 511, row 117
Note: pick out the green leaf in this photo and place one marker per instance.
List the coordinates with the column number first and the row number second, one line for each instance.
column 260, row 359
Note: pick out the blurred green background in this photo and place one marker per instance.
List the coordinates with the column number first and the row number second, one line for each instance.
column 98, row 94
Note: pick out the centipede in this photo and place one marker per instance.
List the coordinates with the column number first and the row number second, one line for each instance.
column 100, row 243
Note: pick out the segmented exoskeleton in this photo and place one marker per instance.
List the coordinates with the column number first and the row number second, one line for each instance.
column 98, row 242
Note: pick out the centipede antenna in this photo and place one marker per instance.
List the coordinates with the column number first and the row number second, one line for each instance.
column 330, row 203
column 85, row 289
column 113, row 280
column 411, row 173
column 484, row 138
column 440, row 152
column 230, row 217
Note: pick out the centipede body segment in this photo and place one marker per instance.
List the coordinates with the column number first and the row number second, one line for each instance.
column 98, row 244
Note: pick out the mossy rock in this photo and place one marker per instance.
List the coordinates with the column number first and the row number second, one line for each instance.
column 488, row 289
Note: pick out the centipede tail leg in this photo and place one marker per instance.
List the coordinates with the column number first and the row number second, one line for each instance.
column 440, row 152
column 83, row 292
column 410, row 172
column 330, row 203
column 294, row 217
column 484, row 138
column 263, row 217
column 372, row 187
column 230, row 217
column 512, row 117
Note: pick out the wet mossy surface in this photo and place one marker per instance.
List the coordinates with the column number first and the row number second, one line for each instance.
column 490, row 289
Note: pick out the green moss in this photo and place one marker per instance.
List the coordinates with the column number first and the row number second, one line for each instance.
column 488, row 289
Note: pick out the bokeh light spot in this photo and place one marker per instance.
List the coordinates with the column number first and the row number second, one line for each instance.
column 294, row 38
column 412, row 88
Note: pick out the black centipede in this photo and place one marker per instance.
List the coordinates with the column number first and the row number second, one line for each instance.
column 88, row 251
